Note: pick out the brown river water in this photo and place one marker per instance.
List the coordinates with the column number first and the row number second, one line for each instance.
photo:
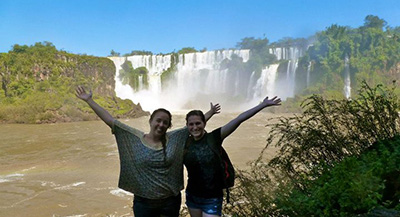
column 71, row 169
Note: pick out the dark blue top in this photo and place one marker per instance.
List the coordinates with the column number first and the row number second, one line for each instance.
column 203, row 165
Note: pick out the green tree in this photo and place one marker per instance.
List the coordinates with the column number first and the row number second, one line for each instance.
column 253, row 44
column 139, row 52
column 114, row 54
column 260, row 55
column 186, row 50
column 372, row 21
column 5, row 73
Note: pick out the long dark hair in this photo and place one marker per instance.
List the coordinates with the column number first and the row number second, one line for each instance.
column 163, row 138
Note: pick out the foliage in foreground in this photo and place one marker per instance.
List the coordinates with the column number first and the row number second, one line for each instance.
column 327, row 164
column 354, row 186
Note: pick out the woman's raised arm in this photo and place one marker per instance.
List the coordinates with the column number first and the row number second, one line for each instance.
column 230, row 127
column 101, row 112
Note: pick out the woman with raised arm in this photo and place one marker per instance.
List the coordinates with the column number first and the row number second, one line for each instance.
column 204, row 188
column 151, row 164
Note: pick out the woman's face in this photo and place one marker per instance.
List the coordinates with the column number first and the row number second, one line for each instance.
column 195, row 126
column 160, row 123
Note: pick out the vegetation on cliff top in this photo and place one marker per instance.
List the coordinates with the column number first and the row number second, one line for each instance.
column 372, row 51
column 38, row 84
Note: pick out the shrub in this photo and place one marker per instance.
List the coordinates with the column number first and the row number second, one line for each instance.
column 305, row 178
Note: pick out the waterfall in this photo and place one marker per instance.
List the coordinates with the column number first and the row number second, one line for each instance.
column 285, row 87
column 196, row 81
column 122, row 91
column 265, row 84
column 200, row 78
column 347, row 81
column 308, row 74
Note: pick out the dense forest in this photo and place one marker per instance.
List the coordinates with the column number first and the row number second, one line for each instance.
column 370, row 53
column 372, row 50
column 38, row 83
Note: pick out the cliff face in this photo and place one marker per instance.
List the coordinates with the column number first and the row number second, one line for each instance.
column 395, row 72
column 38, row 86
column 98, row 70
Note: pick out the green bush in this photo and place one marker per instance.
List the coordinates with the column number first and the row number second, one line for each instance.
column 325, row 166
column 354, row 186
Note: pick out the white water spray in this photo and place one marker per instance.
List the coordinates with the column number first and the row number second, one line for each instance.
column 347, row 81
column 308, row 74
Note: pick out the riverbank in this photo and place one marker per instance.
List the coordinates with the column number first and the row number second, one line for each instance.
column 44, row 108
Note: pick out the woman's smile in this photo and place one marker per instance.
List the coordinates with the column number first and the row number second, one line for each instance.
column 196, row 126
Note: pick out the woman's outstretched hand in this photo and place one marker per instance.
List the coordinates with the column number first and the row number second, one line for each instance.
column 80, row 92
column 215, row 108
column 271, row 102
column 227, row 129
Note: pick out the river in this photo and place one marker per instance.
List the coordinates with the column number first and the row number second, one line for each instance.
column 71, row 169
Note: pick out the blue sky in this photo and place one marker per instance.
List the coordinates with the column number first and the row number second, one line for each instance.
column 95, row 27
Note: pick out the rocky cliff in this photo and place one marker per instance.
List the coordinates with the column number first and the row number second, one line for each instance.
column 38, row 86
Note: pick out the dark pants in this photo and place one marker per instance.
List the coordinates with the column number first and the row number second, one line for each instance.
column 143, row 207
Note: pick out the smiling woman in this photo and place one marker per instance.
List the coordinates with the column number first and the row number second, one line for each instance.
column 150, row 165
column 160, row 121
column 196, row 123
column 205, row 179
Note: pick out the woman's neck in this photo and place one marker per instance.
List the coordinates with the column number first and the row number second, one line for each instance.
column 200, row 137
column 150, row 137
column 152, row 141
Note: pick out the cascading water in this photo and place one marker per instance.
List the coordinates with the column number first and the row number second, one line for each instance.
column 308, row 74
column 347, row 80
column 198, row 79
column 122, row 91
column 285, row 85
column 265, row 84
